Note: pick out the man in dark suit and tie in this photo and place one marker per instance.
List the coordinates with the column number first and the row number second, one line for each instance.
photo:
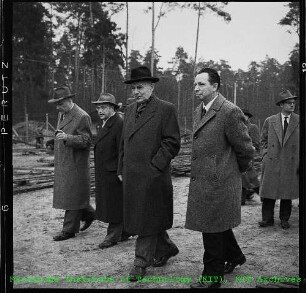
column 150, row 140
column 280, row 151
column 221, row 150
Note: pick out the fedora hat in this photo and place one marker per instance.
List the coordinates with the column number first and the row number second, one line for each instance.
column 141, row 73
column 283, row 96
column 106, row 98
column 246, row 112
column 60, row 93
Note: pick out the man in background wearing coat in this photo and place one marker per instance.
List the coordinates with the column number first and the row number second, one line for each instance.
column 280, row 150
column 250, row 181
column 150, row 140
column 221, row 150
column 71, row 164
column 108, row 189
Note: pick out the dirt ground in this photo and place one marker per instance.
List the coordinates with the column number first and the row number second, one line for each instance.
column 40, row 262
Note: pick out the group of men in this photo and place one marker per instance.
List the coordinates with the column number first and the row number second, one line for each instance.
column 134, row 191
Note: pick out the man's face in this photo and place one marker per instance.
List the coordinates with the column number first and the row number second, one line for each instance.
column 142, row 90
column 105, row 111
column 288, row 106
column 203, row 89
column 63, row 105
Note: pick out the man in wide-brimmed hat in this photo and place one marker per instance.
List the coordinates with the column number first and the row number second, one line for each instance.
column 108, row 189
column 250, row 181
column 150, row 140
column 280, row 151
column 71, row 163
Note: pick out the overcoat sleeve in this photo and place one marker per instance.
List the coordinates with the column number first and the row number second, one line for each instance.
column 264, row 138
column 170, row 142
column 121, row 153
column 237, row 134
column 83, row 136
column 255, row 136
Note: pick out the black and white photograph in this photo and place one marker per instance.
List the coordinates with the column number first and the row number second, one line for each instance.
column 153, row 145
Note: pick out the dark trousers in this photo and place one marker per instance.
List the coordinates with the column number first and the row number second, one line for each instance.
column 268, row 209
column 148, row 247
column 219, row 248
column 114, row 232
column 72, row 219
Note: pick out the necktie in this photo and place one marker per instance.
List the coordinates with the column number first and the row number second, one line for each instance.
column 140, row 109
column 203, row 112
column 285, row 125
column 62, row 117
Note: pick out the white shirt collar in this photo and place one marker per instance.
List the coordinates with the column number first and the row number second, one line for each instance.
column 104, row 121
column 283, row 118
column 207, row 107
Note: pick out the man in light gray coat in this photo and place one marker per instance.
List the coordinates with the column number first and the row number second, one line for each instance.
column 71, row 164
column 280, row 150
column 221, row 150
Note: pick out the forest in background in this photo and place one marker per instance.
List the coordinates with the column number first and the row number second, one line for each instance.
column 90, row 56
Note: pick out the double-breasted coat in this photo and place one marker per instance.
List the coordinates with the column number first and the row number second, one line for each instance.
column 279, row 179
column 221, row 150
column 108, row 186
column 71, row 161
column 147, row 147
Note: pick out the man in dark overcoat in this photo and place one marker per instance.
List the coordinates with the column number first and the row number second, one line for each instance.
column 150, row 140
column 250, row 181
column 71, row 164
column 108, row 189
column 280, row 149
column 221, row 150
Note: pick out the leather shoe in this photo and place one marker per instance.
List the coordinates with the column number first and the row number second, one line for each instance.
column 230, row 266
column 63, row 236
column 266, row 223
column 201, row 285
column 86, row 225
column 137, row 273
column 159, row 262
column 106, row 244
column 285, row 224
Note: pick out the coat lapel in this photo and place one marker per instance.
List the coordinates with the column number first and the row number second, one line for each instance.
column 293, row 123
column 106, row 129
column 68, row 117
column 277, row 124
column 129, row 119
column 215, row 107
column 146, row 115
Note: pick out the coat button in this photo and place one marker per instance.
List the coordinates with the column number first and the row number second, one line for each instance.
column 192, row 178
column 194, row 158
column 195, row 137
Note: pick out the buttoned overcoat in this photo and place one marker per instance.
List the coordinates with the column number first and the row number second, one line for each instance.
column 147, row 147
column 221, row 150
column 108, row 190
column 279, row 179
column 71, row 161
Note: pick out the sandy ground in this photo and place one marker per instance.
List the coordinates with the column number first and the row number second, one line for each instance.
column 40, row 262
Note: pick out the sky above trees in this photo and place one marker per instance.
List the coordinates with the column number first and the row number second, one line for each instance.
column 253, row 33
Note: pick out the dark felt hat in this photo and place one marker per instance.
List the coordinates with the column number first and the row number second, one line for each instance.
column 246, row 112
column 106, row 98
column 60, row 93
column 283, row 96
column 141, row 73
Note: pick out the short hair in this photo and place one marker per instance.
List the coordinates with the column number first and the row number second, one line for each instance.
column 213, row 76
